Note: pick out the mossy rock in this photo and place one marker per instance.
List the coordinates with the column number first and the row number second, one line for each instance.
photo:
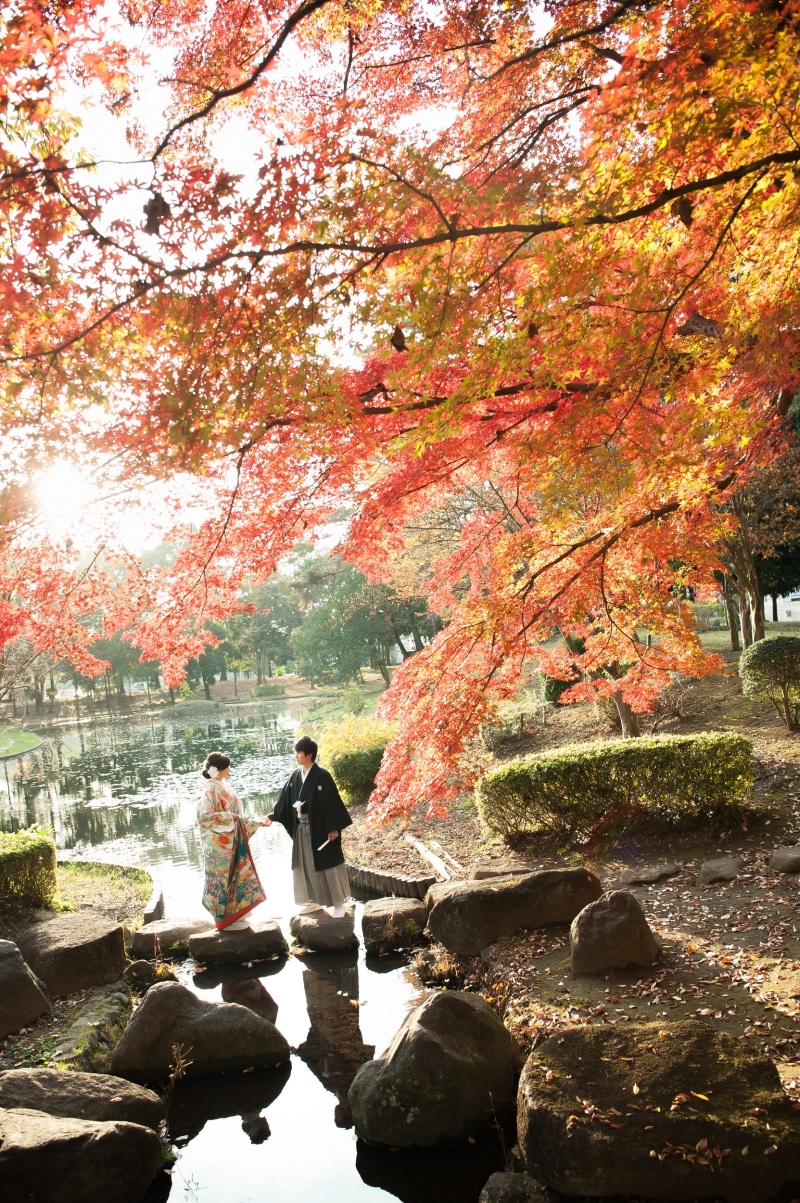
column 668, row 1111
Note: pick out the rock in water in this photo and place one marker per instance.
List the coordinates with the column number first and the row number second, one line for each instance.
column 54, row 1160
column 74, row 952
column 23, row 998
column 466, row 916
column 168, row 936
column 214, row 1036
column 513, row 1188
column 707, row 1117
column 390, row 923
column 449, row 1067
column 257, row 942
column 323, row 933
column 74, row 1095
column 611, row 933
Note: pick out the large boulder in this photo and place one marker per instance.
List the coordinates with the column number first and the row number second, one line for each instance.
column 666, row 1111
column 23, row 998
column 74, row 1095
column 74, row 952
column 50, row 1159
column 466, row 916
column 390, row 923
column 323, row 933
column 611, row 933
column 169, row 937
column 215, row 1037
column 450, row 1066
column 257, row 942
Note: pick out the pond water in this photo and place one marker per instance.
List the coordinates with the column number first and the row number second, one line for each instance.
column 127, row 793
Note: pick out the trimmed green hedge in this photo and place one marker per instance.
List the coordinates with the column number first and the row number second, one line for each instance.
column 270, row 689
column 353, row 750
column 27, row 870
column 588, row 790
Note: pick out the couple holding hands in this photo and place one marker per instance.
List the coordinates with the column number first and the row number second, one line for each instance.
column 310, row 809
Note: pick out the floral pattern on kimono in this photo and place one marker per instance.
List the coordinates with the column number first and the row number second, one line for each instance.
column 231, row 887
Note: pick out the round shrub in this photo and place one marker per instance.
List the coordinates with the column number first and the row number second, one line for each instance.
column 353, row 750
column 770, row 670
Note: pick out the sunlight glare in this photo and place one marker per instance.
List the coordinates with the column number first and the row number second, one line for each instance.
column 63, row 493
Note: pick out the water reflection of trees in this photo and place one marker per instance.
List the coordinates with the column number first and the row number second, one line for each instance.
column 96, row 785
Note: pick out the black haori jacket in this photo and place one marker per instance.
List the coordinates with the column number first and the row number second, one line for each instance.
column 325, row 809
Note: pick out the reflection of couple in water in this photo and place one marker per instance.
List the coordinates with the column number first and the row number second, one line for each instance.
column 308, row 807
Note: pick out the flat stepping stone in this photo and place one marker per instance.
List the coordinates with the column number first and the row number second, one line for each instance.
column 75, row 1095
column 167, row 936
column 216, row 1037
column 648, row 874
column 74, row 952
column 318, row 930
column 785, row 860
column 23, row 998
column 390, row 923
column 661, row 1086
column 76, row 1160
column 484, row 869
column 723, row 868
column 258, row 942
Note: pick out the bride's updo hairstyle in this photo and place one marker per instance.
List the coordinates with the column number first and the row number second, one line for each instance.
column 215, row 761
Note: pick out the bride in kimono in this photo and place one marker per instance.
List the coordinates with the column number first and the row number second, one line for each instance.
column 232, row 888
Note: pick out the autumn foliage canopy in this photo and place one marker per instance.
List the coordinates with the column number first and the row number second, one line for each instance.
column 540, row 257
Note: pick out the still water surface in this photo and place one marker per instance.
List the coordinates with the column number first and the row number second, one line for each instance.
column 128, row 793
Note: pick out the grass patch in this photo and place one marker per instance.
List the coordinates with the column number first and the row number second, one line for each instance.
column 116, row 891
column 14, row 743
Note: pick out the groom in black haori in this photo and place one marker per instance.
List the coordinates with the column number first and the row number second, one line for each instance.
column 310, row 809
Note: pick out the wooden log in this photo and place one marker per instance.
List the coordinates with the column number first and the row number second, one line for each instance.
column 451, row 860
column 436, row 862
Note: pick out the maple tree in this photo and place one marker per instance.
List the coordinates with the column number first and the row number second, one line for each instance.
column 548, row 249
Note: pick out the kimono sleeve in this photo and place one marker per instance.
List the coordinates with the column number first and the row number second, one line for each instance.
column 211, row 814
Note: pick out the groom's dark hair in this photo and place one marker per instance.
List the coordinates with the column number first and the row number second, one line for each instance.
column 307, row 747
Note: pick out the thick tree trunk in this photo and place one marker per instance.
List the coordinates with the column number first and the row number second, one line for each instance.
column 206, row 688
column 628, row 720
column 436, row 624
column 748, row 580
column 774, row 600
column 235, row 683
column 171, row 696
